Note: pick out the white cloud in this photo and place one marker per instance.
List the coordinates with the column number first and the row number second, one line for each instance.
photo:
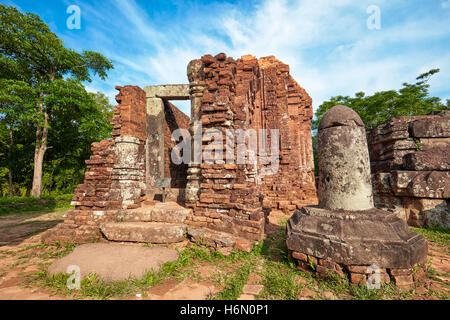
column 327, row 44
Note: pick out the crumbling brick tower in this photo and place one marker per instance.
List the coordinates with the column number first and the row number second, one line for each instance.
column 248, row 93
column 222, row 202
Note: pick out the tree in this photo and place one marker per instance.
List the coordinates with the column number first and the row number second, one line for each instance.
column 72, row 134
column 26, row 41
column 16, row 107
column 102, row 102
column 411, row 99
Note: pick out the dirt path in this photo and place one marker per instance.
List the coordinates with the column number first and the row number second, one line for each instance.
column 17, row 228
column 22, row 254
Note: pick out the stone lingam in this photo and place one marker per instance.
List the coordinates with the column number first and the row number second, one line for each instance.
column 345, row 234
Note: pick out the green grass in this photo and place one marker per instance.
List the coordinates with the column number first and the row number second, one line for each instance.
column 59, row 252
column 279, row 276
column 19, row 205
column 435, row 234
column 234, row 285
column 343, row 289
column 22, row 200
column 96, row 288
column 279, row 282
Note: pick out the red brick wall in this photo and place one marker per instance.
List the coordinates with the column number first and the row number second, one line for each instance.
column 410, row 168
column 129, row 116
column 98, row 198
column 226, row 203
column 286, row 106
column 248, row 93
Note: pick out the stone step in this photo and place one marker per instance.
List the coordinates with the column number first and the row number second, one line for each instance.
column 149, row 202
column 168, row 212
column 146, row 232
column 143, row 214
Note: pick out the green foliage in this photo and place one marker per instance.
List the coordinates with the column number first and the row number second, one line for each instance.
column 17, row 100
column 233, row 287
column 435, row 234
column 27, row 41
column 280, row 282
column 41, row 88
column 412, row 99
column 27, row 205
column 418, row 145
column 311, row 264
column 43, row 102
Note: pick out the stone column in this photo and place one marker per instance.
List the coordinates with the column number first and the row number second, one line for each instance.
column 196, row 78
column 126, row 171
column 343, row 161
column 346, row 233
column 155, row 142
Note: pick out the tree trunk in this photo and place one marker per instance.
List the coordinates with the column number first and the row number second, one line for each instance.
column 39, row 152
column 10, row 184
column 10, row 173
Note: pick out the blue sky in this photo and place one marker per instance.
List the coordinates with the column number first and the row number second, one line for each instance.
column 327, row 43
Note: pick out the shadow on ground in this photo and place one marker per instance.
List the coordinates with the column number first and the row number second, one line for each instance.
column 16, row 228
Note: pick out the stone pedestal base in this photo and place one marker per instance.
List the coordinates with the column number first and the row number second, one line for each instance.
column 355, row 244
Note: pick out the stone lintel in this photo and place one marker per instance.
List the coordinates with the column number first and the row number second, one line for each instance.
column 168, row 91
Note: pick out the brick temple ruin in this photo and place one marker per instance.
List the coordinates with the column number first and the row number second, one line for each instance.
column 223, row 204
column 370, row 185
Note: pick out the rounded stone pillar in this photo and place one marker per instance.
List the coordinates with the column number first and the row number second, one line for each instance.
column 196, row 76
column 126, row 150
column 343, row 162
column 127, row 176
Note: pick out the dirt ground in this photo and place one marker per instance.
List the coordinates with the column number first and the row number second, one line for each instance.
column 22, row 254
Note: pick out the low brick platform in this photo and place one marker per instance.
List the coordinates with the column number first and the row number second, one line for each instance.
column 403, row 278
